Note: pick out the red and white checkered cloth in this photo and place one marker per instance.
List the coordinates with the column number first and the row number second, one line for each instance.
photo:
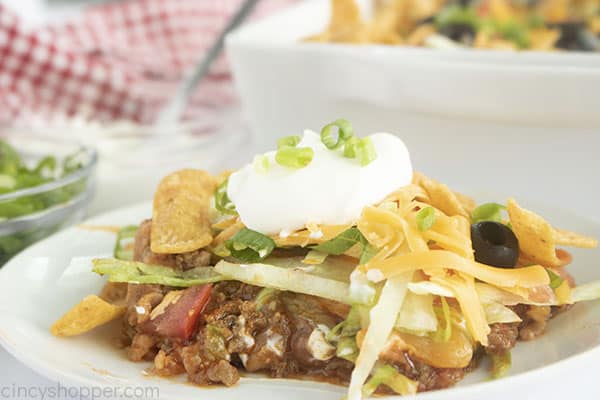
column 122, row 60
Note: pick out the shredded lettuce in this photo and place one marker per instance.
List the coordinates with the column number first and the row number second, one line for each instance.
column 222, row 201
column 498, row 313
column 428, row 287
column 342, row 242
column 250, row 246
column 345, row 241
column 314, row 257
column 586, row 292
column 457, row 15
column 137, row 272
column 123, row 247
column 417, row 315
column 382, row 319
column 335, row 268
column 347, row 349
column 389, row 376
column 264, row 297
column 283, row 278
column 345, row 332
column 500, row 364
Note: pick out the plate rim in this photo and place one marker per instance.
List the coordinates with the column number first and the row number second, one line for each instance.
column 44, row 369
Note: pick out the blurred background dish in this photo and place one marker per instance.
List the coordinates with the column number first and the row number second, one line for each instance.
column 467, row 116
column 47, row 184
column 133, row 157
column 541, row 25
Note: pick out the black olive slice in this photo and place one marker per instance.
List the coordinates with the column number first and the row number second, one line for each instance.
column 494, row 244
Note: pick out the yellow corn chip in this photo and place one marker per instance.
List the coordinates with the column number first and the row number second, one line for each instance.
column 344, row 13
column 467, row 203
column 535, row 234
column 90, row 313
column 500, row 10
column 420, row 34
column 543, row 39
column 345, row 24
column 441, row 197
column 573, row 239
column 180, row 219
column 538, row 239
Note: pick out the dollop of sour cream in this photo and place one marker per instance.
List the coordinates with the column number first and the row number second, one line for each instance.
column 331, row 190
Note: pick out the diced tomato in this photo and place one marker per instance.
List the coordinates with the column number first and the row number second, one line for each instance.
column 483, row 9
column 180, row 319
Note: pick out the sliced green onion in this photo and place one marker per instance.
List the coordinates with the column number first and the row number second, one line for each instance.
column 361, row 149
column 389, row 376
column 250, row 246
column 345, row 132
column 123, row 247
column 261, row 164
column 488, row 212
column 222, row 201
column 294, row 157
column 291, row 141
column 365, row 151
column 350, row 147
column 342, row 242
column 425, row 218
column 555, row 279
column 500, row 364
column 137, row 272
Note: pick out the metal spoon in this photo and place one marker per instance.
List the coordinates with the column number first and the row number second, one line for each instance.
column 171, row 112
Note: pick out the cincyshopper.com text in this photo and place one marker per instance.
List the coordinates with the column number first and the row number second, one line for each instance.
column 60, row 391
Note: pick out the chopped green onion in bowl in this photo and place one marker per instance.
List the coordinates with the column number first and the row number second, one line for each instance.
column 45, row 184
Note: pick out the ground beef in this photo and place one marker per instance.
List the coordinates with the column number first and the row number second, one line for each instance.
column 142, row 347
column 431, row 378
column 198, row 258
column 168, row 364
column 235, row 334
column 114, row 292
column 534, row 322
column 223, row 372
column 142, row 251
column 502, row 338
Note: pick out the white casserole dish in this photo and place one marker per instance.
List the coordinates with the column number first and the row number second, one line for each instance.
column 270, row 64
column 465, row 115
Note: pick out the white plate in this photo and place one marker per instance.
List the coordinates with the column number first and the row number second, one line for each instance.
column 40, row 284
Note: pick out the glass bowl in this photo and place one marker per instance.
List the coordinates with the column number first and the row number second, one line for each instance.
column 30, row 214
